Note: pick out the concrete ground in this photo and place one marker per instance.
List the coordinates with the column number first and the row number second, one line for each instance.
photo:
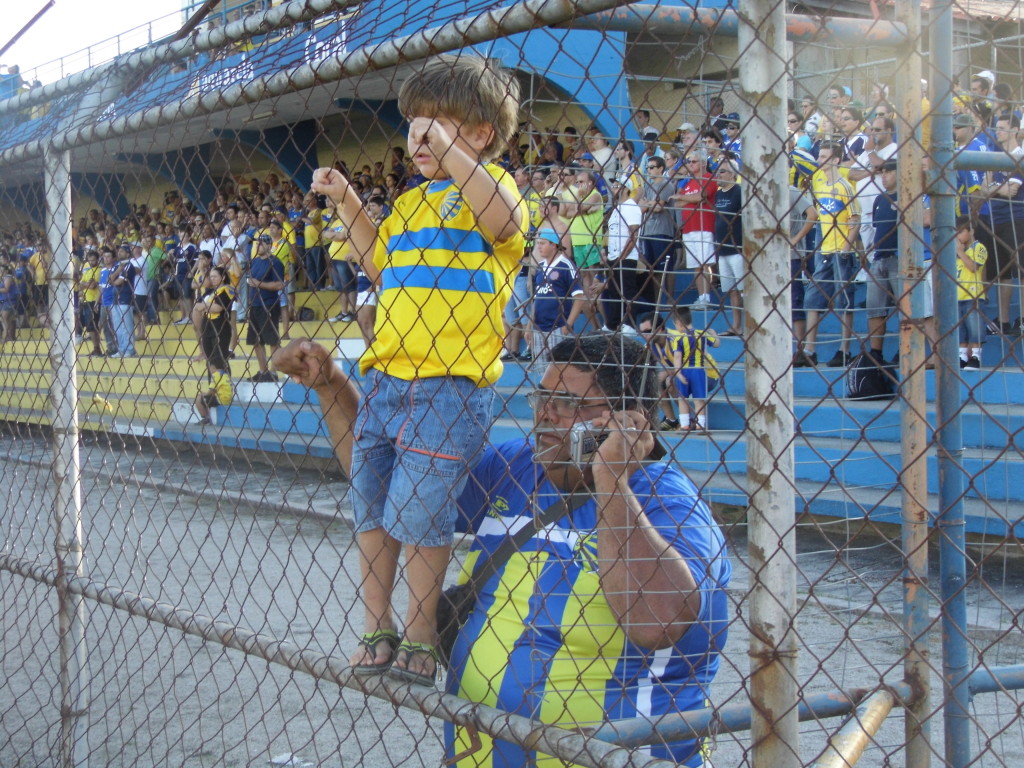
column 268, row 547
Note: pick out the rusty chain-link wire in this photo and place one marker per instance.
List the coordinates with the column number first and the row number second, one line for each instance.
column 284, row 353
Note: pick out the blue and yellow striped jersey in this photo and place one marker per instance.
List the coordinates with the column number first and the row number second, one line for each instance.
column 542, row 641
column 444, row 283
column 694, row 348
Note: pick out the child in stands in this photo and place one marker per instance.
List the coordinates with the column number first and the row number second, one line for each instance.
column 444, row 260
column 696, row 373
column 970, row 281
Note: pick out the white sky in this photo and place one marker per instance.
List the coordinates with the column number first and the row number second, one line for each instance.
column 71, row 25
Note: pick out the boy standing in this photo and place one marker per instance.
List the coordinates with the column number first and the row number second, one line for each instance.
column 694, row 366
column 970, row 280
column 558, row 297
column 444, row 260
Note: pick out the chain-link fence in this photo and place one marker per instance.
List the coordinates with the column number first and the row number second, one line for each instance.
column 686, row 339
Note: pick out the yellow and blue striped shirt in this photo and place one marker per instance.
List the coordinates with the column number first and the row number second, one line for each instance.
column 444, row 283
column 542, row 641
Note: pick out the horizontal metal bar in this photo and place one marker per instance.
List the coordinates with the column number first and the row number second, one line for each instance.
column 571, row 746
column 847, row 746
column 735, row 717
column 279, row 17
column 984, row 161
column 996, row 679
column 455, row 35
column 680, row 21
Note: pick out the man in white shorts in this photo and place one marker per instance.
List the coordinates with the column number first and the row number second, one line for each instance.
column 695, row 196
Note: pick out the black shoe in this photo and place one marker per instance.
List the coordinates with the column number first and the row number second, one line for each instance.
column 839, row 360
column 95, row 354
column 204, row 422
column 525, row 357
column 263, row 377
column 895, row 362
column 972, row 364
column 1007, row 329
column 507, row 357
column 804, row 360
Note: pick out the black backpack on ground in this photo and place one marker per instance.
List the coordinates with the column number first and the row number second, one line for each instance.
column 870, row 379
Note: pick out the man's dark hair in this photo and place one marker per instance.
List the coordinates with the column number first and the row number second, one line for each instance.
column 1012, row 118
column 888, row 122
column 855, row 113
column 620, row 365
column 378, row 200
column 713, row 133
column 657, row 162
column 964, row 222
column 656, row 320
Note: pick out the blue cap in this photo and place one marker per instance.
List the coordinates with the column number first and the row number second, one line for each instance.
column 550, row 235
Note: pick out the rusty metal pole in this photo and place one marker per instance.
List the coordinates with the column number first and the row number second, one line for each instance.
column 848, row 744
column 66, row 469
column 769, row 397
column 913, row 404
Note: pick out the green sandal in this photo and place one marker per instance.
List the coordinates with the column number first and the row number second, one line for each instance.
column 370, row 643
column 405, row 652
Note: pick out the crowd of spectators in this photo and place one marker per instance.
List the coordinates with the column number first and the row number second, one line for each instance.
column 673, row 205
column 622, row 222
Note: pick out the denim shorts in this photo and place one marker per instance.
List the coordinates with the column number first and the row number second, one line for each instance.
column 832, row 282
column 970, row 322
column 415, row 442
column 517, row 311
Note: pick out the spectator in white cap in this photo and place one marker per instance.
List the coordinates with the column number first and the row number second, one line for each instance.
column 981, row 87
column 686, row 138
column 651, row 147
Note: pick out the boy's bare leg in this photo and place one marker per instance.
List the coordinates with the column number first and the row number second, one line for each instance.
column 811, row 334
column 201, row 408
column 698, row 412
column 424, row 568
column 378, row 564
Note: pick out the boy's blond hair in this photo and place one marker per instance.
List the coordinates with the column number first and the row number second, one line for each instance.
column 468, row 89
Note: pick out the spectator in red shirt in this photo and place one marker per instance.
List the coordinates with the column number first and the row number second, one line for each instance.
column 695, row 196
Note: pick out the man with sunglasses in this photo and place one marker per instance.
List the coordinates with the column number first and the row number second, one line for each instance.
column 866, row 171
column 618, row 608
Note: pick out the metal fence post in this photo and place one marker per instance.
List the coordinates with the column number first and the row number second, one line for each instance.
column 769, row 394
column 949, row 431
column 68, row 530
column 913, row 403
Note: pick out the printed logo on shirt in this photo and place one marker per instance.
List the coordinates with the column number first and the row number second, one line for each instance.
column 585, row 552
column 498, row 508
column 451, row 206
column 831, row 205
